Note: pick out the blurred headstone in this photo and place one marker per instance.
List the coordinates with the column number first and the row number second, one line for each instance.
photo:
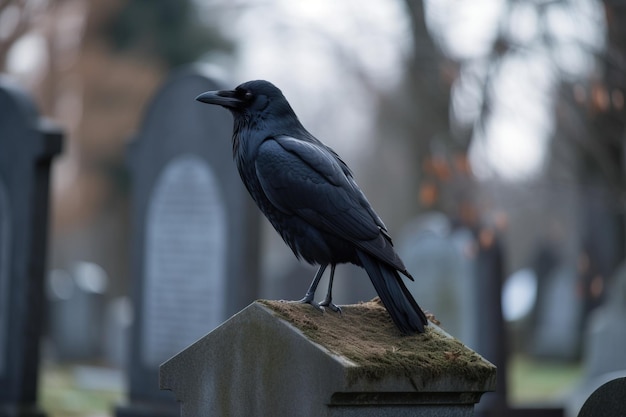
column 464, row 240
column 443, row 279
column 608, row 400
column 546, row 258
column 76, row 311
column 117, row 322
column 491, row 341
column 576, row 398
column 194, row 260
column 27, row 146
column 558, row 333
column 605, row 339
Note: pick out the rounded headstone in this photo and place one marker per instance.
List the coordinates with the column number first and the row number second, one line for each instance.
column 608, row 400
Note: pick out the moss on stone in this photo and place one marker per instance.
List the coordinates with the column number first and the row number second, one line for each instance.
column 365, row 335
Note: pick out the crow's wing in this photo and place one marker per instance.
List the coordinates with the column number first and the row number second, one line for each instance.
column 305, row 179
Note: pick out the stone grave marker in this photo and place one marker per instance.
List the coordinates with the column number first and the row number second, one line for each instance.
column 557, row 335
column 604, row 355
column 608, row 400
column 279, row 359
column 491, row 332
column 445, row 278
column 76, row 300
column 605, row 336
column 27, row 146
column 194, row 260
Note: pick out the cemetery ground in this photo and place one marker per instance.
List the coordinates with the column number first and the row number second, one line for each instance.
column 88, row 390
column 80, row 390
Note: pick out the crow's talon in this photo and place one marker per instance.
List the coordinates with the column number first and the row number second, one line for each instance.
column 318, row 307
column 330, row 305
column 306, row 300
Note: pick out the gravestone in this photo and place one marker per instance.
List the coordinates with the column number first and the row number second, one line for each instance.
column 27, row 146
column 194, row 260
column 76, row 304
column 608, row 400
column 605, row 337
column 491, row 341
column 430, row 251
column 604, row 355
column 559, row 314
column 284, row 359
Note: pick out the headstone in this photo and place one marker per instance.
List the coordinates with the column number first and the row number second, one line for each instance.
column 608, row 400
column 576, row 397
column 605, row 338
column 117, row 322
column 27, row 146
column 194, row 260
column 444, row 280
column 76, row 306
column 491, row 340
column 559, row 314
column 464, row 240
column 282, row 359
column 604, row 355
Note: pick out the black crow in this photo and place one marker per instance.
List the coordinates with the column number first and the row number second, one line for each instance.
column 308, row 194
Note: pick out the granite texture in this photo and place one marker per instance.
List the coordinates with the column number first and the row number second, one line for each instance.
column 269, row 361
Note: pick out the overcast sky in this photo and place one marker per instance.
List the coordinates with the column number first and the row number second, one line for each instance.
column 309, row 50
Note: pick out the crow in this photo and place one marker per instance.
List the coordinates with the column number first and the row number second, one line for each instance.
column 309, row 195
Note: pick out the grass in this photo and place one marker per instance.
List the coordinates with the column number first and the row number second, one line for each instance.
column 540, row 382
column 63, row 392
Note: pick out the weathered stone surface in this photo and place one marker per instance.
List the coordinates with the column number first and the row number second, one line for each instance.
column 277, row 358
column 605, row 336
column 608, row 400
column 194, row 257
column 28, row 143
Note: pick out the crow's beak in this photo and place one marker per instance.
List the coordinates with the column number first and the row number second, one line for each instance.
column 225, row 98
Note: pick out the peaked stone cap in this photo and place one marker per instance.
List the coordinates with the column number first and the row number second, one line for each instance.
column 277, row 357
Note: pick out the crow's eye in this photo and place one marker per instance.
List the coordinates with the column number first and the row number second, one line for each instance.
column 248, row 95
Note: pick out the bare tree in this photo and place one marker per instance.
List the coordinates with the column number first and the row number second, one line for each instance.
column 100, row 62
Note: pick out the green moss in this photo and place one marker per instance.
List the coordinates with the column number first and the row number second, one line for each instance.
column 365, row 334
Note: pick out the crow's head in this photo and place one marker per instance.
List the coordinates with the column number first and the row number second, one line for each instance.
column 259, row 96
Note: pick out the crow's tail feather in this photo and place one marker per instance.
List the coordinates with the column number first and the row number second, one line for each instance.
column 402, row 307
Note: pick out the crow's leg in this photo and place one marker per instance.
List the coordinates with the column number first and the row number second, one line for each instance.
column 310, row 293
column 328, row 301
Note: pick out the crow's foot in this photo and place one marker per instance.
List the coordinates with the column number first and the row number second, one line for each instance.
column 308, row 299
column 328, row 303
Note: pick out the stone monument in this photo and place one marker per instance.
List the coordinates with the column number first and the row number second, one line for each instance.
column 194, row 259
column 27, row 145
column 605, row 335
column 283, row 359
column 608, row 400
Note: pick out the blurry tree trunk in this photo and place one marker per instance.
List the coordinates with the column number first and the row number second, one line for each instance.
column 414, row 122
column 429, row 78
column 591, row 129
column 612, row 118
column 603, row 160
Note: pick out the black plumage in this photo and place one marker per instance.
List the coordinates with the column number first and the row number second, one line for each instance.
column 310, row 197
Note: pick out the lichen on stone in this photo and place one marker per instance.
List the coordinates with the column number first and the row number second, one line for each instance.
column 365, row 335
